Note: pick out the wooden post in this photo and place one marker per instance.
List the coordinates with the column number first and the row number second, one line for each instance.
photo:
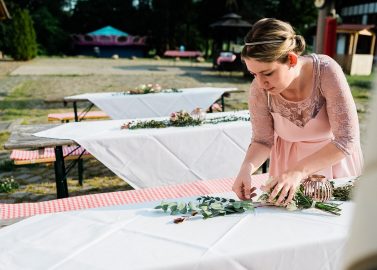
column 321, row 24
column 373, row 44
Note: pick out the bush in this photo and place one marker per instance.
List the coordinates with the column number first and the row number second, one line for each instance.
column 7, row 185
column 23, row 39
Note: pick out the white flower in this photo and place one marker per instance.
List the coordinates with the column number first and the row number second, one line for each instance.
column 291, row 206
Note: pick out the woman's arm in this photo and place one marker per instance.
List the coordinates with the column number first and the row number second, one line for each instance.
column 261, row 142
column 256, row 155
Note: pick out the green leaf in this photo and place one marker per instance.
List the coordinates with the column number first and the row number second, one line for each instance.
column 207, row 214
column 173, row 208
column 182, row 208
column 237, row 204
column 192, row 206
column 217, row 206
column 203, row 207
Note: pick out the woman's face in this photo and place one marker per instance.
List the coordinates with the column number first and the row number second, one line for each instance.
column 273, row 77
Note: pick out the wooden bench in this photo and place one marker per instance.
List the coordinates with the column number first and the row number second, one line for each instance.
column 46, row 155
column 66, row 117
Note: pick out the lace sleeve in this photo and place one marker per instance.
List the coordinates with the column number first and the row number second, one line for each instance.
column 261, row 118
column 340, row 106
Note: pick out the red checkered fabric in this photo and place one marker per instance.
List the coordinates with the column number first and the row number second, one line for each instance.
column 197, row 188
column 91, row 114
column 45, row 153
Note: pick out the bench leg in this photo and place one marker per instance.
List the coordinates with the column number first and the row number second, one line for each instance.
column 60, row 175
column 80, row 167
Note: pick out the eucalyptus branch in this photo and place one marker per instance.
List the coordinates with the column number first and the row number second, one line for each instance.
column 206, row 206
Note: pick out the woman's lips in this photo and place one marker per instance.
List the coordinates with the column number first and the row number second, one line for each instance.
column 270, row 89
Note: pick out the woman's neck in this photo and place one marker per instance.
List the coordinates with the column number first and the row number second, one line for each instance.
column 300, row 89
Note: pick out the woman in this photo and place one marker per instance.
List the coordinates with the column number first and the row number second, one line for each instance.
column 302, row 113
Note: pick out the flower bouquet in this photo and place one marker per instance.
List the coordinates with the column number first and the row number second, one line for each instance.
column 149, row 89
column 301, row 201
column 183, row 119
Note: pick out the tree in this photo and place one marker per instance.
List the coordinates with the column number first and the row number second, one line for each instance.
column 22, row 36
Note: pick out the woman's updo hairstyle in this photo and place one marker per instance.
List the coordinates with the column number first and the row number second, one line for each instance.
column 271, row 40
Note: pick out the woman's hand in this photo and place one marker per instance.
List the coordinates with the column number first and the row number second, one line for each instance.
column 242, row 184
column 286, row 185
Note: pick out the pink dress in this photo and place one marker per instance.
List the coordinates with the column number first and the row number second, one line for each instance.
column 295, row 130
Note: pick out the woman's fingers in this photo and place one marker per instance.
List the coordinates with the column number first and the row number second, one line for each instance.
column 292, row 192
column 238, row 189
column 283, row 194
column 246, row 190
column 269, row 185
column 274, row 193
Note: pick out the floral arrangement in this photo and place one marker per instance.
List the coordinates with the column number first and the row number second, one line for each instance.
column 149, row 89
column 183, row 119
column 301, row 201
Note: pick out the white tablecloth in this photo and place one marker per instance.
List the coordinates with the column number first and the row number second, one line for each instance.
column 157, row 157
column 120, row 106
column 139, row 237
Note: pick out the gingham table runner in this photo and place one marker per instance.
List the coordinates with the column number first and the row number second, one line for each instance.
column 197, row 188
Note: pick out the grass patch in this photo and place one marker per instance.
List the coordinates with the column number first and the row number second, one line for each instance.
column 90, row 186
column 4, row 136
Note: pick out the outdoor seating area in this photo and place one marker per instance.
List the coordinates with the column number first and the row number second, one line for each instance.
column 179, row 135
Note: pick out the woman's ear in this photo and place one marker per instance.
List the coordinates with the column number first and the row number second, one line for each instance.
column 292, row 57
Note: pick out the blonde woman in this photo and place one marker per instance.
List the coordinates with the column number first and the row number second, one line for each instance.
column 302, row 113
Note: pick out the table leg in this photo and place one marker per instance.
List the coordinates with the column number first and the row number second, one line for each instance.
column 60, row 175
column 222, row 103
column 75, row 111
column 80, row 166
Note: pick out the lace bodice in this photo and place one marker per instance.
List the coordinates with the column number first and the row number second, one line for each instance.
column 330, row 89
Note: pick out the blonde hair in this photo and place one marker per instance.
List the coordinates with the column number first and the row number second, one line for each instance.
column 271, row 40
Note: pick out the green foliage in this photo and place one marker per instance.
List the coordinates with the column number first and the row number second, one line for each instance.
column 342, row 193
column 182, row 119
column 22, row 36
column 7, row 185
column 207, row 206
column 6, row 165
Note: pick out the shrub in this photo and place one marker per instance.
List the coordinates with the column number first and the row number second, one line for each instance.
column 7, row 185
column 22, row 36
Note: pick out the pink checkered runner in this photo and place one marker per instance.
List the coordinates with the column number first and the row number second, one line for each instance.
column 45, row 153
column 61, row 116
column 197, row 188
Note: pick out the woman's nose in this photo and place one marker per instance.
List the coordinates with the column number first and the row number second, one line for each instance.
column 263, row 82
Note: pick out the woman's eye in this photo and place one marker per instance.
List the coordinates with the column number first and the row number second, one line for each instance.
column 269, row 74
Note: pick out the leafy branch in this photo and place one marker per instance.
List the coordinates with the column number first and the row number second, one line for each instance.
column 342, row 193
column 206, row 206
